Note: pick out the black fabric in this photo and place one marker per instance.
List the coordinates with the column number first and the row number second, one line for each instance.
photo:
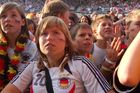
column 49, row 86
column 67, row 68
column 7, row 61
column 123, row 88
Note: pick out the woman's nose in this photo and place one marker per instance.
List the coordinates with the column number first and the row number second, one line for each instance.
column 49, row 36
column 8, row 18
column 87, row 36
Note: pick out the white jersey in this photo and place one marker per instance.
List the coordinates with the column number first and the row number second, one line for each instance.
column 28, row 54
column 85, row 78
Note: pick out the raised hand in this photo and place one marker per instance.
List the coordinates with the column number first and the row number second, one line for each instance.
column 114, row 50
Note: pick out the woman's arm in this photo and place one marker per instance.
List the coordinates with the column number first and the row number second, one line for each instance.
column 10, row 88
column 128, row 71
column 21, row 81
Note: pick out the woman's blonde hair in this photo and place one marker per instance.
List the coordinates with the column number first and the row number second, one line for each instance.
column 98, row 19
column 131, row 16
column 50, row 22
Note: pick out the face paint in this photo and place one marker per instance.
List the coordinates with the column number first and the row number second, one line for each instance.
column 11, row 22
column 17, row 21
column 52, row 39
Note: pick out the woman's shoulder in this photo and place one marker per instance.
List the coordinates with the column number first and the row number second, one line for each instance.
column 31, row 44
column 30, row 52
column 82, row 60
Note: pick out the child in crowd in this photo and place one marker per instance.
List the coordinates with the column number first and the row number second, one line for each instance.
column 103, row 30
column 107, row 48
column 82, row 37
column 16, row 48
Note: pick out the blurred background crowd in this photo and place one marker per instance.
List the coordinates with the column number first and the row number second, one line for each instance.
column 83, row 6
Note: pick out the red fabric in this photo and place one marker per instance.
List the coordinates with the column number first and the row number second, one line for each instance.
column 73, row 89
column 123, row 46
column 31, row 89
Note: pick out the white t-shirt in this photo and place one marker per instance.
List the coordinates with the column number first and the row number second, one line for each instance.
column 99, row 55
column 85, row 78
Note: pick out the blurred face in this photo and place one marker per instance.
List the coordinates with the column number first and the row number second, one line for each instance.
column 83, row 41
column 104, row 29
column 35, row 19
column 133, row 29
column 65, row 18
column 84, row 19
column 31, row 28
column 52, row 42
column 11, row 22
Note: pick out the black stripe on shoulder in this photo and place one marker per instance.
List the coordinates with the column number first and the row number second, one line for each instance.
column 100, row 78
column 77, row 58
column 18, row 74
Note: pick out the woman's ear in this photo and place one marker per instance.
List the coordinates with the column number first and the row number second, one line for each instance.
column 94, row 33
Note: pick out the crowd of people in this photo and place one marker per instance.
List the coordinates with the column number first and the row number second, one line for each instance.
column 83, row 6
column 56, row 51
column 28, row 5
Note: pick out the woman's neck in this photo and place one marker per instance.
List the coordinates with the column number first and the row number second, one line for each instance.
column 55, row 61
column 11, row 40
column 101, row 44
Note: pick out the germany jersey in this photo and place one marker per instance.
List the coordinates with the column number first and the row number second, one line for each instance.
column 82, row 77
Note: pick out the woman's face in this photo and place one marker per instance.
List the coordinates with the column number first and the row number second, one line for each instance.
column 133, row 29
column 84, row 19
column 11, row 22
column 52, row 42
column 31, row 28
column 65, row 17
column 105, row 29
column 83, row 41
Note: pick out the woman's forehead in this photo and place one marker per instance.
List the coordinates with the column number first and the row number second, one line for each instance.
column 52, row 28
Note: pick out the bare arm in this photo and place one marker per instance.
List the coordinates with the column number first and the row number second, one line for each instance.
column 10, row 88
column 128, row 71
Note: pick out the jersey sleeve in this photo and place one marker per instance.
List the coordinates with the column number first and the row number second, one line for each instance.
column 93, row 80
column 24, row 77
